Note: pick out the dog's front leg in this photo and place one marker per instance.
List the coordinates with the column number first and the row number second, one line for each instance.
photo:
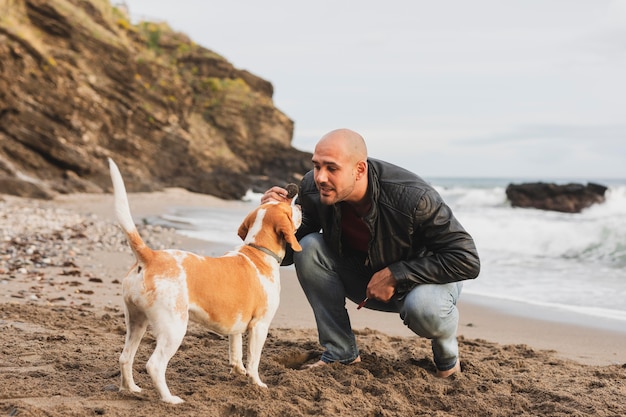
column 257, row 337
column 235, row 354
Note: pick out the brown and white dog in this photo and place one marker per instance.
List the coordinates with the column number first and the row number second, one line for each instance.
column 232, row 294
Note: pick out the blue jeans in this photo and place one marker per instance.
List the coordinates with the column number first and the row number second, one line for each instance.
column 429, row 310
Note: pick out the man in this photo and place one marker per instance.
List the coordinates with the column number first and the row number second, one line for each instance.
column 388, row 239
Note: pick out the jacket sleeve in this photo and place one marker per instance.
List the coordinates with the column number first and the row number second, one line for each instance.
column 446, row 253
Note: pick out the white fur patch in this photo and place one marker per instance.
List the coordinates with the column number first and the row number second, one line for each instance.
column 256, row 227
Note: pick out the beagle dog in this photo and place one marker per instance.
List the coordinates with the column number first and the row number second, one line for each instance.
column 230, row 295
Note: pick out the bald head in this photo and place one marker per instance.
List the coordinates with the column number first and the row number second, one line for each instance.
column 340, row 167
column 347, row 143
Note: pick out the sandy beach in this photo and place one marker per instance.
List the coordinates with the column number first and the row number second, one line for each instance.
column 62, row 331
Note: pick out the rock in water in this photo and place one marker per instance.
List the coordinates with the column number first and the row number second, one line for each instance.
column 567, row 198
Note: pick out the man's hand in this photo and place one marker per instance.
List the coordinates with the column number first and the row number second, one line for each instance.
column 382, row 286
column 275, row 193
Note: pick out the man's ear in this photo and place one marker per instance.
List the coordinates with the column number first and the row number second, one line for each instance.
column 361, row 169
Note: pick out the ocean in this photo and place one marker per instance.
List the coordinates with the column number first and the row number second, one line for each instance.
column 559, row 261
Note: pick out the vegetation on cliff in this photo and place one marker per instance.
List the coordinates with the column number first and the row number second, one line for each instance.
column 79, row 83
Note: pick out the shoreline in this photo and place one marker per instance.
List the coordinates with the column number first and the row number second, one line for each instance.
column 571, row 335
column 584, row 339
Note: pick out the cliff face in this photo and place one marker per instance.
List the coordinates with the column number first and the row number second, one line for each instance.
column 79, row 83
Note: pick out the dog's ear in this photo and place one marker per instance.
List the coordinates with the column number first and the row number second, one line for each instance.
column 245, row 226
column 289, row 234
column 291, row 239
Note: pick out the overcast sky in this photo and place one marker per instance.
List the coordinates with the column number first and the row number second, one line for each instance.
column 532, row 89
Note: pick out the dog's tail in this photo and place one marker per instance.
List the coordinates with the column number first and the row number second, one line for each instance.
column 124, row 218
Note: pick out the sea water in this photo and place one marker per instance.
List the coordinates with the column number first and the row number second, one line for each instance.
column 557, row 260
column 564, row 261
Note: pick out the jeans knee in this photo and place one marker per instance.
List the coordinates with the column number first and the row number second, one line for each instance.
column 312, row 254
column 313, row 242
column 428, row 315
column 314, row 261
column 422, row 320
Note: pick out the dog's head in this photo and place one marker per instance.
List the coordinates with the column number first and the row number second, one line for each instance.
column 271, row 224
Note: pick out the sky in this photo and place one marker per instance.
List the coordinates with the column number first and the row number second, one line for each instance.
column 532, row 89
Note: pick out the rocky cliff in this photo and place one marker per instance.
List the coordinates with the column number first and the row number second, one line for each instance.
column 80, row 83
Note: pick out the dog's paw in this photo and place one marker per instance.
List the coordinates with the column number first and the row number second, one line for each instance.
column 259, row 383
column 238, row 369
column 257, row 380
column 172, row 399
column 132, row 388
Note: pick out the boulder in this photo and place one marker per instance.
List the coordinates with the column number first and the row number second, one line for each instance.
column 566, row 198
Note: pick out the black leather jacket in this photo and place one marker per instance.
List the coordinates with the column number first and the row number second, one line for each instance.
column 413, row 232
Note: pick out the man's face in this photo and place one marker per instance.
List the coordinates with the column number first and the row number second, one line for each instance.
column 334, row 174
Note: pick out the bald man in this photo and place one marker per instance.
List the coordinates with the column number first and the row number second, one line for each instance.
column 382, row 237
